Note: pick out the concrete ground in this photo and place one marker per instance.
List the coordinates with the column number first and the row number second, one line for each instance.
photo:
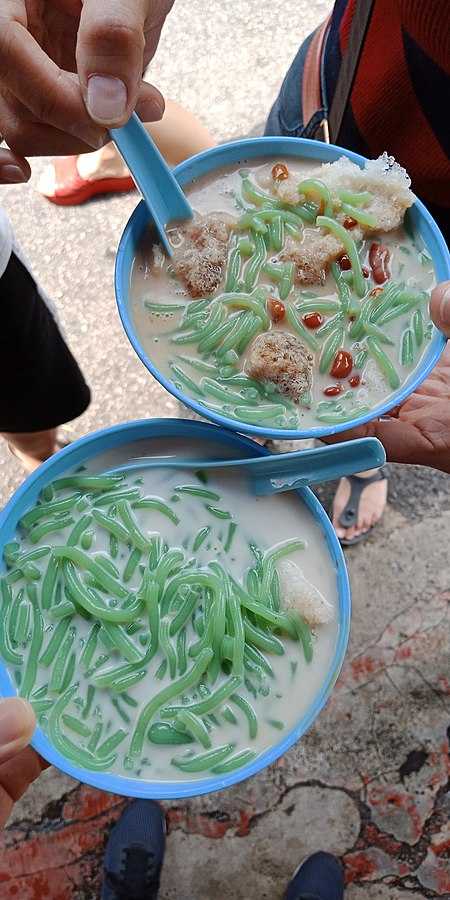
column 370, row 781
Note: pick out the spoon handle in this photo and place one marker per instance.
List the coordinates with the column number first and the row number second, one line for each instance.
column 317, row 465
column 155, row 180
column 274, row 473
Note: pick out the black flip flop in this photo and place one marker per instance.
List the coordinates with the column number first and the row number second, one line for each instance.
column 349, row 515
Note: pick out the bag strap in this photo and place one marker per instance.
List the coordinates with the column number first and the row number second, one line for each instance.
column 349, row 66
column 311, row 87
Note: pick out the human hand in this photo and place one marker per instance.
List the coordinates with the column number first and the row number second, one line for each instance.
column 19, row 764
column 418, row 432
column 69, row 70
column 440, row 308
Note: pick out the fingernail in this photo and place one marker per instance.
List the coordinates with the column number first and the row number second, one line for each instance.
column 12, row 174
column 14, row 721
column 106, row 99
column 445, row 307
column 152, row 110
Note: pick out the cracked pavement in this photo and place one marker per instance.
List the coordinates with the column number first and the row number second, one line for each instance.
column 371, row 780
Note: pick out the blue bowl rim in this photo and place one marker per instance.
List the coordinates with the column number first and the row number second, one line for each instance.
column 98, row 442
column 286, row 147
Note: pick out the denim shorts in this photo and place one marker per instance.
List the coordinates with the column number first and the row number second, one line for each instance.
column 286, row 116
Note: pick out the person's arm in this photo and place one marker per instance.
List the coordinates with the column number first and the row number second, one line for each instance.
column 419, row 431
column 69, row 71
column 19, row 764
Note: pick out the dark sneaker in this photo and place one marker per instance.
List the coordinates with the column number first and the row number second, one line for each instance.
column 134, row 853
column 320, row 877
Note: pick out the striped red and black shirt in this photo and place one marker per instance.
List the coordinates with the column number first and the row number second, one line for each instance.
column 400, row 100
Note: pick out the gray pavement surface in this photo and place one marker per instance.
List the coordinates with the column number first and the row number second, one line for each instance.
column 370, row 781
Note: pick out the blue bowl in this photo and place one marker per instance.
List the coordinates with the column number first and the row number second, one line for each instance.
column 86, row 449
column 420, row 221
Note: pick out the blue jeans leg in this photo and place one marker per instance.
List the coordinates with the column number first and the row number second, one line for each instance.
column 285, row 118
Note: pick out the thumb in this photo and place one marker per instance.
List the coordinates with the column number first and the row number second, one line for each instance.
column 399, row 438
column 110, row 60
column 17, row 723
column 440, row 307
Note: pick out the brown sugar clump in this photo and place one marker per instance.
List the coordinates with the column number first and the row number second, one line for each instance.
column 201, row 259
column 281, row 358
column 312, row 256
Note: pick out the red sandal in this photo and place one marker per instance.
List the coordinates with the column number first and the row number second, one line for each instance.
column 71, row 189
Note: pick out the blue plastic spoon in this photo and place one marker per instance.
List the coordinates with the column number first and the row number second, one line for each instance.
column 155, row 180
column 283, row 471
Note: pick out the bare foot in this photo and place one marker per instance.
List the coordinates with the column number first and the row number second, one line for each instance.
column 30, row 463
column 101, row 164
column 372, row 505
column 33, row 448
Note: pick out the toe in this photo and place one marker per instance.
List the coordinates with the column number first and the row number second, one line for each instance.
column 365, row 524
column 350, row 533
column 47, row 182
